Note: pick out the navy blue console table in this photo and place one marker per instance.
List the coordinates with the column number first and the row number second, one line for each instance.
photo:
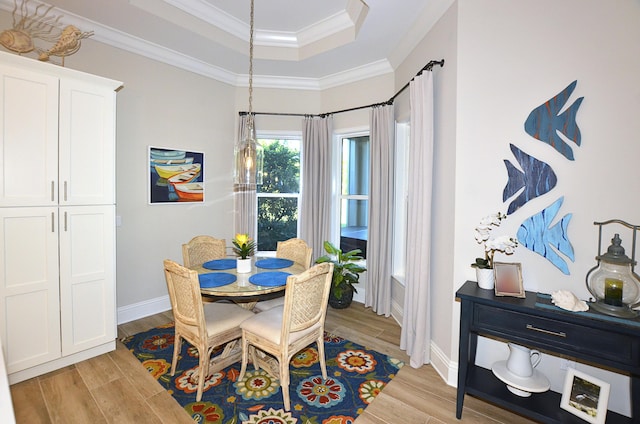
column 598, row 340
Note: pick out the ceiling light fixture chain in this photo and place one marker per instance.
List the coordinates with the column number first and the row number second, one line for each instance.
column 251, row 66
column 248, row 153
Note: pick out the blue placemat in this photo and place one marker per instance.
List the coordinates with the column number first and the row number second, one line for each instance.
column 216, row 279
column 220, row 264
column 274, row 263
column 273, row 279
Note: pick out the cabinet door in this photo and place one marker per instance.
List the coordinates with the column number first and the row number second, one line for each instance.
column 28, row 138
column 87, row 143
column 29, row 308
column 87, row 278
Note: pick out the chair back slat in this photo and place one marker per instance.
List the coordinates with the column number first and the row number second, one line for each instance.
column 306, row 298
column 185, row 297
column 295, row 249
column 201, row 249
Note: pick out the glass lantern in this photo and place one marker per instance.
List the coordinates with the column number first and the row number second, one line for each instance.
column 613, row 282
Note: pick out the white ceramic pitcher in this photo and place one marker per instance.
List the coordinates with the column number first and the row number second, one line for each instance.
column 522, row 360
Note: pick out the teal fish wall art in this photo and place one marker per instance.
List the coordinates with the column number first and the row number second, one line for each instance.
column 538, row 235
column 537, row 178
column 548, row 121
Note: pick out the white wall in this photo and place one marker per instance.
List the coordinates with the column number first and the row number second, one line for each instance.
column 512, row 57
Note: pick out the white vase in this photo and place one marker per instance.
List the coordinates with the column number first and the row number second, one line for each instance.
column 486, row 279
column 243, row 266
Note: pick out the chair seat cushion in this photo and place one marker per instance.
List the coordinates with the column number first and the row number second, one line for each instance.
column 268, row 325
column 265, row 305
column 224, row 316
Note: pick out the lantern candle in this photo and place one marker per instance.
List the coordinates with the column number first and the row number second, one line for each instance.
column 613, row 292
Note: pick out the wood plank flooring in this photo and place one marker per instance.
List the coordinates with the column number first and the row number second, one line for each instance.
column 115, row 388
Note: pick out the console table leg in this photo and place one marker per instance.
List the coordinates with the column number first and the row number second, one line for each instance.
column 463, row 355
column 635, row 398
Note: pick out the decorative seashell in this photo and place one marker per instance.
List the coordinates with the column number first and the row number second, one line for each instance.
column 16, row 41
column 567, row 300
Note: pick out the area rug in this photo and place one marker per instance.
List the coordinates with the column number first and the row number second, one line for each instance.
column 355, row 377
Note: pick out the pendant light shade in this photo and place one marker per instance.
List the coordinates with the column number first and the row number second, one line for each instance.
column 249, row 158
column 248, row 153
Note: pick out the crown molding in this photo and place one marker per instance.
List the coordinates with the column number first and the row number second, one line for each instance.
column 139, row 46
column 333, row 31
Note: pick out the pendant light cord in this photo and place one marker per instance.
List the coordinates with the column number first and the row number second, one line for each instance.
column 250, row 118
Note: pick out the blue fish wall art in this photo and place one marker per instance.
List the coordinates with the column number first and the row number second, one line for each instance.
column 545, row 122
column 537, row 235
column 537, row 179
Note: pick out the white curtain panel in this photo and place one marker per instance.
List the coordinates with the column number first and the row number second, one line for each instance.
column 416, row 323
column 315, row 202
column 244, row 195
column 381, row 189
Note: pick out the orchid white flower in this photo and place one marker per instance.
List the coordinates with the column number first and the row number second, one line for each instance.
column 503, row 244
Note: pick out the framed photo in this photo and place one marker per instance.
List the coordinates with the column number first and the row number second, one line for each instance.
column 508, row 277
column 585, row 396
column 175, row 176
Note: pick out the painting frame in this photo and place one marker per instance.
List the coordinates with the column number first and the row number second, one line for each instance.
column 576, row 381
column 508, row 279
column 175, row 176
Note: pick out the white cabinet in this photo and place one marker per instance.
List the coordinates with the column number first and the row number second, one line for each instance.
column 87, row 301
column 57, row 216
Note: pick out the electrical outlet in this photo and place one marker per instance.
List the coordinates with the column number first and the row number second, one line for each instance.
column 566, row 364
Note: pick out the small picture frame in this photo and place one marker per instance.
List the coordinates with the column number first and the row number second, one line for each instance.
column 585, row 396
column 508, row 279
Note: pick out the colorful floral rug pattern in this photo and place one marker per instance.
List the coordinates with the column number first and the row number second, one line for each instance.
column 355, row 377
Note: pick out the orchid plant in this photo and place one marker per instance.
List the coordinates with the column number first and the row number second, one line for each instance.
column 243, row 245
column 503, row 244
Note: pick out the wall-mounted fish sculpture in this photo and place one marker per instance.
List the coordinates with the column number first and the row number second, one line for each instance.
column 545, row 121
column 537, row 235
column 537, row 179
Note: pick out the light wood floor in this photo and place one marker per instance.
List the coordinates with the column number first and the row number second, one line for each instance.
column 114, row 388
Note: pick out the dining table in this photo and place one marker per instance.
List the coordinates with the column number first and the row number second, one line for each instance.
column 219, row 278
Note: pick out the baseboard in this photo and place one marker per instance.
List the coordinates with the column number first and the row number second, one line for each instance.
column 56, row 364
column 143, row 309
column 446, row 368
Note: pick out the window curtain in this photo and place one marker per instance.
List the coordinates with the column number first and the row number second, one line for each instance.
column 245, row 198
column 416, row 325
column 381, row 188
column 315, row 202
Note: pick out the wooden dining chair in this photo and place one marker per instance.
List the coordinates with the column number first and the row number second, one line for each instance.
column 204, row 325
column 201, row 249
column 282, row 332
column 294, row 249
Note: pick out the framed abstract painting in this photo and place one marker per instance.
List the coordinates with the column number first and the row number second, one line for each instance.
column 175, row 176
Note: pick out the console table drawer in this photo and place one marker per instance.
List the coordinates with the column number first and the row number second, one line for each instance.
column 592, row 342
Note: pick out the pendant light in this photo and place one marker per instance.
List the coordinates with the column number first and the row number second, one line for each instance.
column 248, row 153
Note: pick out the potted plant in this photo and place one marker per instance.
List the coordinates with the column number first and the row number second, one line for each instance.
column 243, row 246
column 505, row 244
column 346, row 273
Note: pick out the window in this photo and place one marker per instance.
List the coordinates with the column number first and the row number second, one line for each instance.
column 279, row 194
column 354, row 192
column 401, row 178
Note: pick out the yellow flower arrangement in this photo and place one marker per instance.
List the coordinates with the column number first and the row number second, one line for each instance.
column 244, row 246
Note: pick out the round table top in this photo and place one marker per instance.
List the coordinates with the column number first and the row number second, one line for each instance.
column 242, row 287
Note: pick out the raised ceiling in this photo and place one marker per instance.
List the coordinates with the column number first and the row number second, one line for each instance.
column 311, row 44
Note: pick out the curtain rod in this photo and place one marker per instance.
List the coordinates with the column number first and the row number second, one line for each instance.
column 429, row 66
